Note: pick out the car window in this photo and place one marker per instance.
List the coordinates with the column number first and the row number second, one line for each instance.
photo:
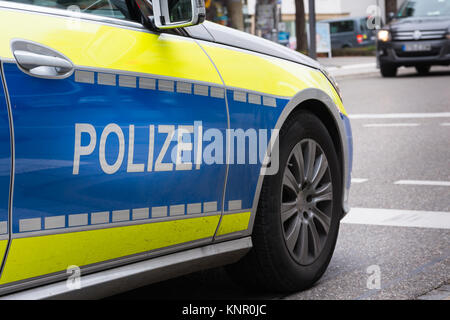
column 108, row 8
column 342, row 26
column 424, row 8
column 363, row 25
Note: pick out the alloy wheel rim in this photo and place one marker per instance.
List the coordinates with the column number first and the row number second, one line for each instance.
column 306, row 205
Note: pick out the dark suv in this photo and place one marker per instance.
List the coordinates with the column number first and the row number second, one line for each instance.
column 418, row 36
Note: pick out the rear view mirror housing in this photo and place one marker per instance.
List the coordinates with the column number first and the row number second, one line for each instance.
column 170, row 14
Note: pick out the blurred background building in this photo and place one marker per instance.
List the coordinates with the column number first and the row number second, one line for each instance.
column 277, row 19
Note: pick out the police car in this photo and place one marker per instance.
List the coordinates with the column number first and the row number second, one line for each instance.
column 140, row 143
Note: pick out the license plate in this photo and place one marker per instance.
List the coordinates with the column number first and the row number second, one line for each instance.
column 417, row 47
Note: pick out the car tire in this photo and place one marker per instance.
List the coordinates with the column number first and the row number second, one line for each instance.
column 423, row 70
column 388, row 70
column 276, row 262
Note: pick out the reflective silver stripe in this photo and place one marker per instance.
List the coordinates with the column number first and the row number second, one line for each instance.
column 177, row 210
column 254, row 98
column 200, row 90
column 55, row 222
column 210, row 206
column 166, row 85
column 127, row 81
column 78, row 219
column 84, row 76
column 234, row 205
column 120, row 215
column 30, row 224
column 3, row 227
column 184, row 87
column 147, row 83
column 159, row 212
column 217, row 92
column 141, row 213
column 269, row 101
column 100, row 217
column 193, row 208
column 240, row 96
column 107, row 79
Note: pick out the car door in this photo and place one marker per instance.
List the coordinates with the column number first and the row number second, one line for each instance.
column 101, row 107
column 5, row 168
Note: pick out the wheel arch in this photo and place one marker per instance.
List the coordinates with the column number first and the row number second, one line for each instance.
column 321, row 105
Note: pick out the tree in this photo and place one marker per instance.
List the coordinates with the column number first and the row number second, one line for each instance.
column 300, row 26
column 234, row 8
column 391, row 6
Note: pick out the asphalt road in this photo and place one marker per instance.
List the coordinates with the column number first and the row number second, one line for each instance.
column 401, row 171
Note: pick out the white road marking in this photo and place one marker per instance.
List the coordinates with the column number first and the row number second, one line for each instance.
column 400, row 115
column 361, row 65
column 399, row 218
column 357, row 180
column 377, row 125
column 424, row 183
column 445, row 124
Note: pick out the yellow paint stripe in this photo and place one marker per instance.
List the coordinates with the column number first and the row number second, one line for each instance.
column 36, row 256
column 267, row 74
column 96, row 45
column 3, row 245
column 234, row 222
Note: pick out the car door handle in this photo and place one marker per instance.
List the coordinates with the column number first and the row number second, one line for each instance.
column 40, row 61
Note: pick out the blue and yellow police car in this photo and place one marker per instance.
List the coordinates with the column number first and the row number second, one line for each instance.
column 139, row 143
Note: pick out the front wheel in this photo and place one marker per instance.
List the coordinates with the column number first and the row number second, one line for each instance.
column 299, row 210
column 388, row 70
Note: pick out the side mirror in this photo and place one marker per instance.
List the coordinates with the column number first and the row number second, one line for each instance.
column 169, row 14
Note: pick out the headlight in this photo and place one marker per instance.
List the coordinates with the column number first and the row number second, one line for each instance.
column 384, row 35
column 332, row 81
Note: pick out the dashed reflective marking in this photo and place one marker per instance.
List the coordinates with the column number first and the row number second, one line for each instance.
column 217, row 92
column 78, row 219
column 103, row 217
column 239, row 96
column 29, row 224
column 147, row 83
column 269, row 102
column 177, row 210
column 100, row 217
column 84, row 76
column 159, row 212
column 107, row 79
column 193, row 208
column 55, row 222
column 234, row 205
column 141, row 213
column 3, row 227
column 210, row 206
column 166, row 85
column 254, row 98
column 184, row 87
column 127, row 81
column 120, row 215
column 104, row 78
column 200, row 90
